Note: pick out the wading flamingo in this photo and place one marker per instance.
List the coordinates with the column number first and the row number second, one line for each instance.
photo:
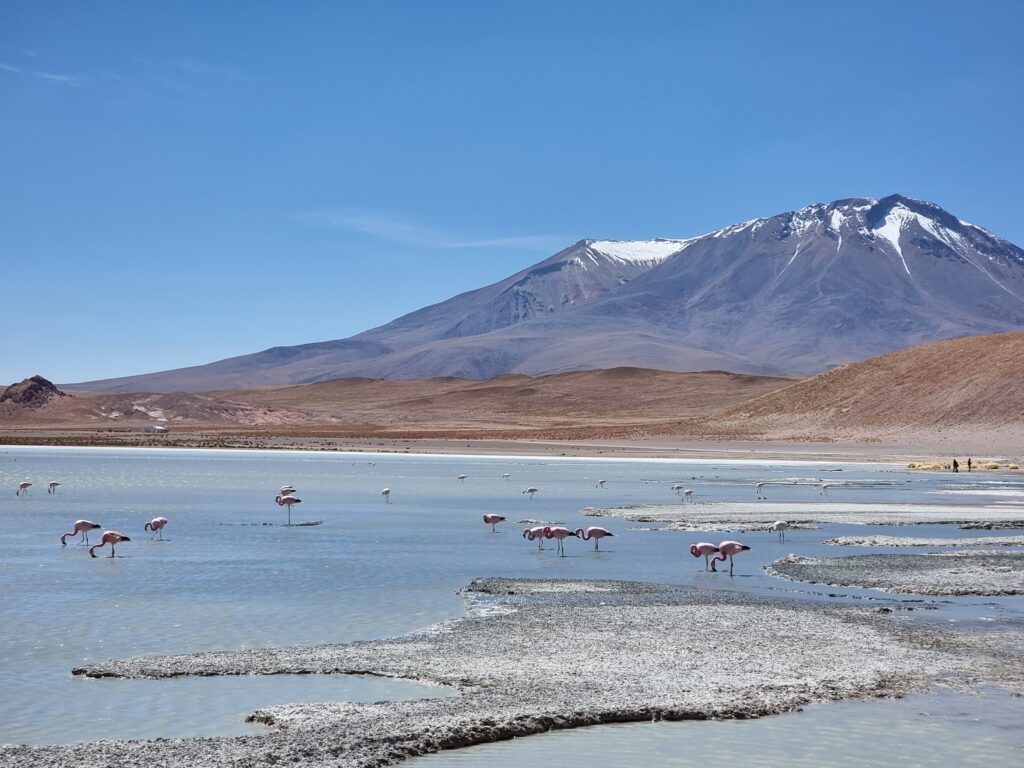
column 287, row 501
column 760, row 494
column 726, row 550
column 559, row 532
column 531, row 490
column 156, row 525
column 537, row 532
column 823, row 489
column 677, row 487
column 386, row 493
column 80, row 527
column 493, row 520
column 23, row 488
column 111, row 538
column 287, row 489
column 600, row 483
column 461, row 478
column 594, row 533
column 687, row 494
column 779, row 527
column 705, row 549
column 52, row 486
column 506, row 476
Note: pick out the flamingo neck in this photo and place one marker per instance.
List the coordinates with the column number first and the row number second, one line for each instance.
column 582, row 535
column 719, row 558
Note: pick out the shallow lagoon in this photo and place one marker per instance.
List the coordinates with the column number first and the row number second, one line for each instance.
column 230, row 575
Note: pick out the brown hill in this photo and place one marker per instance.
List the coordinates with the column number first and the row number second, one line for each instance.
column 612, row 402
column 970, row 388
column 597, row 402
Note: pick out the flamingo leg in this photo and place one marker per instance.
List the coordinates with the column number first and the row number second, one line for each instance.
column 730, row 565
column 597, row 543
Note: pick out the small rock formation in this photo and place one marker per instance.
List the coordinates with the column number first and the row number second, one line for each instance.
column 34, row 392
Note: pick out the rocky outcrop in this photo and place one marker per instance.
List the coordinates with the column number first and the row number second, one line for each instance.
column 33, row 393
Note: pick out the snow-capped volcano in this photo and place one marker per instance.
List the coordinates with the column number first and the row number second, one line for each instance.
column 795, row 293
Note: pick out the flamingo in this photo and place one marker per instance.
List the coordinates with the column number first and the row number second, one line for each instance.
column 287, row 501
column 156, row 525
column 559, row 533
column 386, row 493
column 287, row 490
column 761, row 495
column 779, row 527
column 594, row 533
column 461, row 478
column 677, row 487
column 537, row 532
column 23, row 488
column 726, row 550
column 705, row 549
column 111, row 538
column 823, row 489
column 493, row 520
column 506, row 476
column 687, row 494
column 52, row 486
column 531, row 490
column 80, row 527
column 600, row 483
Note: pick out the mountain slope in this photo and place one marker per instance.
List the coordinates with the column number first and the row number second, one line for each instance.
column 960, row 387
column 796, row 293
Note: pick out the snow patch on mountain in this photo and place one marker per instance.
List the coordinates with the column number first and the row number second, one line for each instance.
column 892, row 228
column 639, row 251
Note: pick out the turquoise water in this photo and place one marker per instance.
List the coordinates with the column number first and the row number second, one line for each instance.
column 230, row 575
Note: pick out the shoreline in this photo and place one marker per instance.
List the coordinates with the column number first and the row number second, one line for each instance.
column 679, row 449
column 582, row 639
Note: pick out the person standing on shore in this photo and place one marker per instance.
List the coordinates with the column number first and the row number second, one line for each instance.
column 968, row 463
column 956, row 465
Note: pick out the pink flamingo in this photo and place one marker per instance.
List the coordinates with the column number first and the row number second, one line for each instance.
column 779, row 527
column 594, row 533
column 705, row 549
column 111, row 538
column 386, row 493
column 287, row 501
column 493, row 520
column 537, row 532
column 726, row 550
column 52, row 486
column 23, row 488
column 156, row 525
column 560, row 533
column 687, row 494
column 80, row 527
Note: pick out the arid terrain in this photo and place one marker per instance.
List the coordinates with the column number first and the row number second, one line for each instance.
column 958, row 396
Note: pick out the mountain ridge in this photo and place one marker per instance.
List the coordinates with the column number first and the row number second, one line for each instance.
column 791, row 294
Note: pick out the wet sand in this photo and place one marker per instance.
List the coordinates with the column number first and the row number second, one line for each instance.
column 974, row 572
column 536, row 655
column 758, row 515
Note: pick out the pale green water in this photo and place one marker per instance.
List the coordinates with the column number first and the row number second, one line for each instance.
column 936, row 731
column 230, row 576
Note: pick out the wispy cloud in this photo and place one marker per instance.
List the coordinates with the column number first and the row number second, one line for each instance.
column 71, row 81
column 396, row 229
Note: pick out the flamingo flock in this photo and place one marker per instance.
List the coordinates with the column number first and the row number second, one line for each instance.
column 286, row 497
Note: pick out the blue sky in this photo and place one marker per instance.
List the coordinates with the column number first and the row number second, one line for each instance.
column 183, row 182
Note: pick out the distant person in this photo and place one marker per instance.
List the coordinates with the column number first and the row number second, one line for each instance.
column 956, row 465
column 968, row 463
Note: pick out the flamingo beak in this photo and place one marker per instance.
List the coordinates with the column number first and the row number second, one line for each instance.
column 125, row 539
